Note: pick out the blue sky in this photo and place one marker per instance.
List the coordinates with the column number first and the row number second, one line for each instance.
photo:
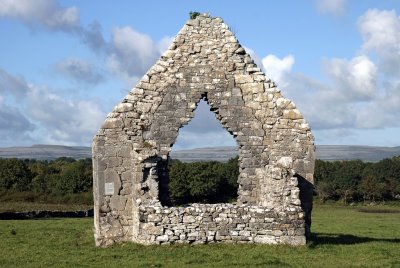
column 65, row 64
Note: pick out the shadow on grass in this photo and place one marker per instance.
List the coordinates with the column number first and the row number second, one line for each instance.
column 344, row 239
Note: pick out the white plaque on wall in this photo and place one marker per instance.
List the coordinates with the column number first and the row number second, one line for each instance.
column 109, row 188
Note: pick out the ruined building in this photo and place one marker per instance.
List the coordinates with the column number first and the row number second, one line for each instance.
column 131, row 150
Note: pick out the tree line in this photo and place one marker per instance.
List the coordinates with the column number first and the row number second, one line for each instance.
column 67, row 179
column 62, row 180
column 358, row 181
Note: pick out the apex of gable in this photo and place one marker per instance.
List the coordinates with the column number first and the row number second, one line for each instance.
column 205, row 31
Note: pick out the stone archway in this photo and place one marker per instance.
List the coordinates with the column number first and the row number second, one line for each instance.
column 130, row 151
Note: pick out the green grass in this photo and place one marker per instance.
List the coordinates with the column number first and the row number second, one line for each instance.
column 31, row 206
column 28, row 201
column 343, row 237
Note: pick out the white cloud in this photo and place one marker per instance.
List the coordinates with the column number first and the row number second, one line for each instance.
column 131, row 54
column 380, row 30
column 79, row 70
column 356, row 78
column 383, row 111
column 362, row 92
column 44, row 115
column 64, row 120
column 276, row 68
column 45, row 13
column 333, row 7
column 324, row 106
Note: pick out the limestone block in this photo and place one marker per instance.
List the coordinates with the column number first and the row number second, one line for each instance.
column 112, row 123
column 154, row 218
column 285, row 162
column 162, row 238
column 265, row 239
column 277, row 233
column 243, row 79
column 143, row 107
column 118, row 202
column 292, row 114
column 295, row 202
column 189, row 219
column 124, row 107
column 193, row 235
column 293, row 240
column 252, row 88
column 152, row 229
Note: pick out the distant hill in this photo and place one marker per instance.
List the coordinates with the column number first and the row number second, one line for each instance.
column 46, row 152
column 352, row 152
column 324, row 152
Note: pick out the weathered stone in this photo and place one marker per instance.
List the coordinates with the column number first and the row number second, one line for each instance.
column 189, row 219
column 124, row 107
column 162, row 238
column 285, row 162
column 154, row 218
column 113, row 123
column 152, row 229
column 293, row 240
column 118, row 202
column 265, row 239
column 131, row 150
column 292, row 114
column 242, row 79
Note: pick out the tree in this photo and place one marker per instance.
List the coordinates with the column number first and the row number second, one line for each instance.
column 372, row 188
column 74, row 177
column 178, row 187
column 14, row 175
column 393, row 187
column 205, row 182
column 325, row 190
column 40, row 173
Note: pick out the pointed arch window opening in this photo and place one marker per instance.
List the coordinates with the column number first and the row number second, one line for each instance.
column 201, row 181
column 205, row 117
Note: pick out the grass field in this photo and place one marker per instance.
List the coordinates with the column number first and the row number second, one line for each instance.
column 31, row 206
column 343, row 237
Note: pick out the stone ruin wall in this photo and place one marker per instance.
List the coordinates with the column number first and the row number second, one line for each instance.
column 131, row 150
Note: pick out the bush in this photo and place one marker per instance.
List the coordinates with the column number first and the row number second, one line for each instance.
column 193, row 14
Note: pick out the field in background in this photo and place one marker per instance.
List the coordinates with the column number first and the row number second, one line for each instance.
column 342, row 237
column 32, row 206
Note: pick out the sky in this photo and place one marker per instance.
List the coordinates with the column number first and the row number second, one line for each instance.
column 65, row 64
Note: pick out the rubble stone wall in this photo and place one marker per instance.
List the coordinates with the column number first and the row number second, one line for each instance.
column 131, row 150
column 202, row 223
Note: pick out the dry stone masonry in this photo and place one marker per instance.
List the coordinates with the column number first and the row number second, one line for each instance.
column 131, row 150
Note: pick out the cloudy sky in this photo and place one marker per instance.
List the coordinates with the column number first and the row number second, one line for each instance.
column 65, row 64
